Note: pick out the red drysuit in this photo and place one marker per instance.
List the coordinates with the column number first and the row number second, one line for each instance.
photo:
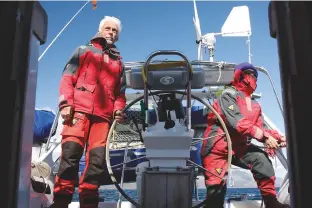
column 93, row 83
column 243, row 119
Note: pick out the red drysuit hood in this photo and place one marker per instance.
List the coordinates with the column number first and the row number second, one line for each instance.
column 242, row 82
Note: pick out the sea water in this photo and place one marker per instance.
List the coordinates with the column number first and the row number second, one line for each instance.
column 251, row 193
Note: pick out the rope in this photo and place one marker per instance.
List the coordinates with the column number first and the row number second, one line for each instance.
column 62, row 31
column 220, row 65
column 40, row 170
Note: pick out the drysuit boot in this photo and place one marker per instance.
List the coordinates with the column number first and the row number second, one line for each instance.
column 215, row 196
column 59, row 204
column 272, row 202
column 61, row 201
column 89, row 202
column 214, row 203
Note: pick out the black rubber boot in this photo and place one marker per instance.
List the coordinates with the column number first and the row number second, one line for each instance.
column 215, row 196
column 89, row 202
column 59, row 204
column 272, row 202
column 61, row 201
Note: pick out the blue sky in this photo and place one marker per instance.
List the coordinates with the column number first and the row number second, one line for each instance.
column 150, row 26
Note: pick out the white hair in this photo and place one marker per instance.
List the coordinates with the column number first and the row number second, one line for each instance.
column 107, row 19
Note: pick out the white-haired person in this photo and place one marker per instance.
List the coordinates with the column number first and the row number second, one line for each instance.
column 92, row 93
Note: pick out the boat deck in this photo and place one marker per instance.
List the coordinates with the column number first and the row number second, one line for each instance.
column 125, row 204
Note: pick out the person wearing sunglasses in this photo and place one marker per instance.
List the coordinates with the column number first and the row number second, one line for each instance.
column 243, row 118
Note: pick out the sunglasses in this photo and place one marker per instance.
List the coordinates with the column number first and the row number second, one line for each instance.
column 250, row 72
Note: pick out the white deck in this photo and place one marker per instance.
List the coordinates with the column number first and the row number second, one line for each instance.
column 233, row 204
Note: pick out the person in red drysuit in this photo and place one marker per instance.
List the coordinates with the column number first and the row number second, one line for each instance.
column 243, row 118
column 92, row 93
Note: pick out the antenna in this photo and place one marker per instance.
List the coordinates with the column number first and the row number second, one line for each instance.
column 237, row 24
column 198, row 33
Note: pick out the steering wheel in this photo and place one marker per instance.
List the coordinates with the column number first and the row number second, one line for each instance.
column 109, row 167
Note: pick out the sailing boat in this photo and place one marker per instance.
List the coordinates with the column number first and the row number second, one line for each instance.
column 49, row 152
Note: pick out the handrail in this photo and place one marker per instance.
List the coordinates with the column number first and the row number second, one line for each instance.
column 52, row 129
column 123, row 167
column 186, row 63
